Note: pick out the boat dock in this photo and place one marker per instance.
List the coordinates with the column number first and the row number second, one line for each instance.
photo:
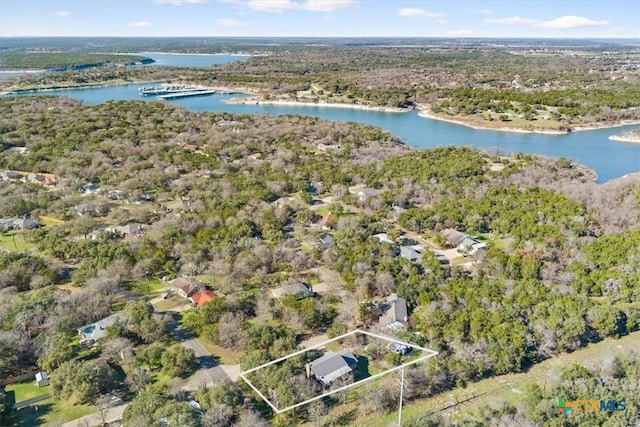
column 186, row 94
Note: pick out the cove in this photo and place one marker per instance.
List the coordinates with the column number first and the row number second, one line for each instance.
column 610, row 159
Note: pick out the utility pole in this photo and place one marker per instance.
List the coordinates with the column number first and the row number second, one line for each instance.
column 402, row 385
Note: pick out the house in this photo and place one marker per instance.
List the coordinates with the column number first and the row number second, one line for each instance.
column 383, row 238
column 401, row 349
column 327, row 220
column 97, row 330
column 42, row 379
column 283, row 201
column 366, row 193
column 326, row 241
column 90, row 188
column 298, row 290
column 19, row 150
column 36, row 178
column 463, row 242
column 395, row 316
column 185, row 286
column 11, row 175
column 133, row 229
column 331, row 367
column 6, row 224
column 409, row 253
column 202, row 297
column 328, row 147
column 25, row 224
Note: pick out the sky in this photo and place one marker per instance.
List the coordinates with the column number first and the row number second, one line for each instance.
column 334, row 18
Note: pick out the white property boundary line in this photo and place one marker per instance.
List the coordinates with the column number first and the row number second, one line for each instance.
column 429, row 354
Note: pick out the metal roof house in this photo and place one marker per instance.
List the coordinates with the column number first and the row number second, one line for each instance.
column 97, row 330
column 298, row 290
column 366, row 193
column 463, row 241
column 409, row 253
column 331, row 367
column 395, row 317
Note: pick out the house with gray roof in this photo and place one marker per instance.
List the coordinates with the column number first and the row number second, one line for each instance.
column 325, row 242
column 395, row 314
column 298, row 290
column 366, row 193
column 463, row 242
column 331, row 367
column 94, row 331
column 409, row 253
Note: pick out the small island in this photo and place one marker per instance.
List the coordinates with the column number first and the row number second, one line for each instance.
column 630, row 136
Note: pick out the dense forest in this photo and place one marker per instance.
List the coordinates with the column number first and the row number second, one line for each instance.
column 240, row 202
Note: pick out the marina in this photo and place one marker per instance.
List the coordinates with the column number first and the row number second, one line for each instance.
column 187, row 94
column 167, row 89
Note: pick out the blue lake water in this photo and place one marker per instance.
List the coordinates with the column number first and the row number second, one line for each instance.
column 610, row 159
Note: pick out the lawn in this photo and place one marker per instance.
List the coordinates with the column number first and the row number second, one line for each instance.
column 171, row 302
column 225, row 356
column 149, row 288
column 510, row 388
column 323, row 210
column 15, row 241
column 26, row 390
column 50, row 413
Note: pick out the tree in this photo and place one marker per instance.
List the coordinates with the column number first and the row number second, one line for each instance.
column 103, row 403
column 178, row 360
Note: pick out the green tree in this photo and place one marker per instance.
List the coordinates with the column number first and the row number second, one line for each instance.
column 178, row 360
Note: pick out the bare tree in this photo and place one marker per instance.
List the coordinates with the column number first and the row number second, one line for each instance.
column 103, row 403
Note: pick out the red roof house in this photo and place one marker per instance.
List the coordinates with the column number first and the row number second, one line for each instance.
column 203, row 296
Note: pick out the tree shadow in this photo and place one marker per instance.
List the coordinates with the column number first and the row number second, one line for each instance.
column 208, row 361
column 362, row 369
column 31, row 416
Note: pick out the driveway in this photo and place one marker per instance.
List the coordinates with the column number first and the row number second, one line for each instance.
column 113, row 414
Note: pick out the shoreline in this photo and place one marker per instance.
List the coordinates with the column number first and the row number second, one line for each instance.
column 623, row 138
column 428, row 115
column 422, row 112
column 292, row 103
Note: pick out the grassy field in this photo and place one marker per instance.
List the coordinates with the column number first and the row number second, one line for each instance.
column 507, row 388
column 226, row 356
column 171, row 302
column 50, row 413
column 148, row 288
column 16, row 241
column 26, row 390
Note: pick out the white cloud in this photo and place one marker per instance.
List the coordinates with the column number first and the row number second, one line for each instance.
column 562, row 23
column 412, row 11
column 226, row 22
column 179, row 2
column 569, row 21
column 485, row 12
column 271, row 6
column 467, row 33
column 513, row 20
column 141, row 24
column 327, row 5
column 62, row 13
column 277, row 6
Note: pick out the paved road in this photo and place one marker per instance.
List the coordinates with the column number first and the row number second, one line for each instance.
column 209, row 373
column 113, row 414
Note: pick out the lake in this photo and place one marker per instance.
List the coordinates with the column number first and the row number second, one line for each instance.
column 610, row 159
